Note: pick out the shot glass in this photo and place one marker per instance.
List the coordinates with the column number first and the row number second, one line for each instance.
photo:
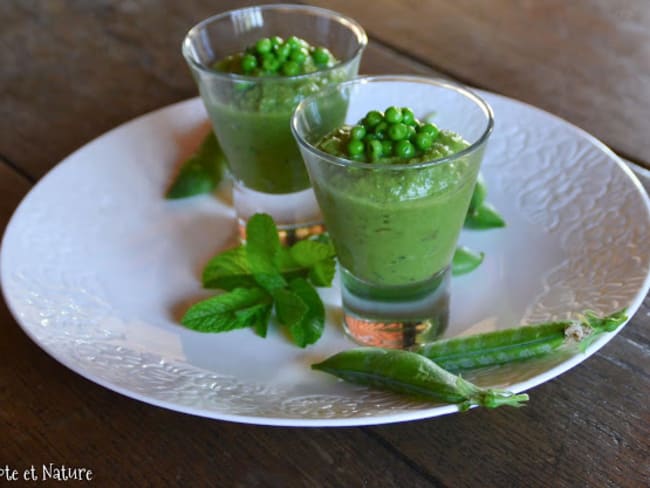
column 394, row 226
column 251, row 115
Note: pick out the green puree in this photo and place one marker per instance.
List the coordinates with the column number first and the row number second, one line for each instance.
column 252, row 118
column 392, row 223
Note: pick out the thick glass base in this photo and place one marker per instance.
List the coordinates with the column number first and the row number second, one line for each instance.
column 296, row 215
column 397, row 317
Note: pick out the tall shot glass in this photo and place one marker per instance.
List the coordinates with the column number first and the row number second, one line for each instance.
column 251, row 115
column 394, row 226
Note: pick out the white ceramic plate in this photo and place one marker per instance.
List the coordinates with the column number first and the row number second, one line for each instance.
column 97, row 268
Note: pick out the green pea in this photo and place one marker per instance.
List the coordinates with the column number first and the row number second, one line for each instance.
column 299, row 55
column 321, row 56
column 296, row 43
column 408, row 117
column 290, row 68
column 358, row 132
column 430, row 129
column 355, row 147
column 404, row 149
column 270, row 63
column 369, row 137
column 276, row 41
column 380, row 129
column 387, row 148
column 248, row 63
column 264, row 45
column 375, row 149
column 283, row 51
column 393, row 115
column 412, row 133
column 423, row 141
column 398, row 131
column 372, row 118
column 412, row 374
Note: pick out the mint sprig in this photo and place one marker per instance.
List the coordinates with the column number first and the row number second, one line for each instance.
column 260, row 277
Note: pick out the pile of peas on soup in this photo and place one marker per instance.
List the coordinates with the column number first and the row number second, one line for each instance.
column 274, row 56
column 394, row 136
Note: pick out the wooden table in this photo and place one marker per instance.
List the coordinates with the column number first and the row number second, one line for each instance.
column 71, row 70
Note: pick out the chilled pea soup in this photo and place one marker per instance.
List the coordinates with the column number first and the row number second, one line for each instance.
column 394, row 213
column 395, row 232
column 397, row 228
column 253, row 128
column 252, row 67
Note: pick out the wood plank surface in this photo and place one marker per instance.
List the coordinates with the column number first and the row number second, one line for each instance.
column 74, row 69
column 140, row 69
column 587, row 61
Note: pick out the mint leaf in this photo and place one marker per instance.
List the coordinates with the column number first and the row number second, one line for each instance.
column 479, row 193
column 261, row 327
column 465, row 260
column 308, row 253
column 291, row 310
column 201, row 172
column 485, row 216
column 228, row 270
column 257, row 317
column 285, row 260
column 311, row 326
column 263, row 252
column 322, row 273
column 301, row 310
column 319, row 256
column 219, row 313
column 262, row 243
column 270, row 281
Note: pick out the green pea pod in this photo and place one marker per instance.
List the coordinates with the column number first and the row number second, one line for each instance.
column 465, row 260
column 485, row 216
column 201, row 172
column 519, row 343
column 412, row 374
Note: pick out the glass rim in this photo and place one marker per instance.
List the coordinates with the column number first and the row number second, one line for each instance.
column 363, row 80
column 349, row 22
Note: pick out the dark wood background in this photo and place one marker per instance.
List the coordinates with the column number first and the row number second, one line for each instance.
column 73, row 69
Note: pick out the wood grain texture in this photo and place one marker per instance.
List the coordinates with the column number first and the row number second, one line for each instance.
column 587, row 61
column 74, row 69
